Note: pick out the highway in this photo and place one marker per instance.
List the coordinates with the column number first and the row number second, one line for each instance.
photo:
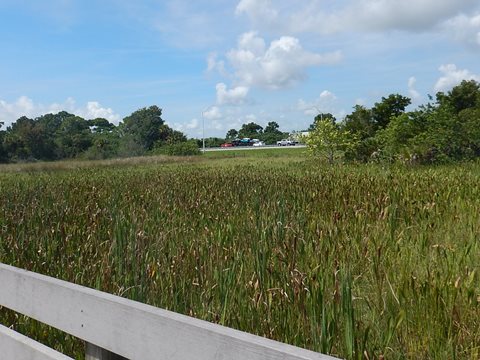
column 298, row 146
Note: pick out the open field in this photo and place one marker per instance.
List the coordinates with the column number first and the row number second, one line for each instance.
column 252, row 152
column 355, row 261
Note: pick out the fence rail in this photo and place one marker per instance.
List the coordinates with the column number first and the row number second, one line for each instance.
column 116, row 328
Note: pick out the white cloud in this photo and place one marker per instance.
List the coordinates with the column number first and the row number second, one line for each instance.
column 453, row 76
column 24, row 106
column 410, row 15
column 325, row 103
column 234, row 96
column 281, row 65
column 194, row 124
column 257, row 10
column 465, row 28
column 212, row 113
column 95, row 110
column 338, row 16
column 414, row 94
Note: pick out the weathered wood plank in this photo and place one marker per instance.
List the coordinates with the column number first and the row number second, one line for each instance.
column 132, row 329
column 14, row 345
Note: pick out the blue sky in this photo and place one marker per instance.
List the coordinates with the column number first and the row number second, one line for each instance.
column 234, row 61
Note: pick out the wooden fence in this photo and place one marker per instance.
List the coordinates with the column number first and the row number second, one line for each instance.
column 117, row 328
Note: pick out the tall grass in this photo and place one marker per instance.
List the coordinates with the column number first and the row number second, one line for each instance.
column 358, row 262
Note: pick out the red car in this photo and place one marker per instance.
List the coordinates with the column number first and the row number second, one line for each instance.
column 226, row 145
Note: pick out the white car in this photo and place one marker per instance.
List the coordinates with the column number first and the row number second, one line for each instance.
column 259, row 143
column 285, row 142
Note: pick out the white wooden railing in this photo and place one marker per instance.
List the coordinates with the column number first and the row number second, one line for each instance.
column 117, row 328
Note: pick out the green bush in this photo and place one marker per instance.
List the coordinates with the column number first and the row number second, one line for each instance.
column 187, row 148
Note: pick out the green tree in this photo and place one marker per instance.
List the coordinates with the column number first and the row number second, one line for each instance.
column 319, row 118
column 169, row 136
column 73, row 137
column 271, row 133
column 250, row 130
column 143, row 126
column 3, row 152
column 360, row 122
column 100, row 125
column 327, row 138
column 27, row 139
column 231, row 134
column 391, row 106
column 272, row 128
column 397, row 139
column 463, row 96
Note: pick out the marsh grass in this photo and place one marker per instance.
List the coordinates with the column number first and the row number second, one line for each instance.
column 355, row 261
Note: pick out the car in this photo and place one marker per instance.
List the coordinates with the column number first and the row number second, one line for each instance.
column 285, row 142
column 226, row 145
column 259, row 143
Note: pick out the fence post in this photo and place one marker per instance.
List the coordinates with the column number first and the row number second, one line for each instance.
column 93, row 352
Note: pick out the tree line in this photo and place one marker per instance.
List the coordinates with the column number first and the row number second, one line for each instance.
column 66, row 136
column 445, row 129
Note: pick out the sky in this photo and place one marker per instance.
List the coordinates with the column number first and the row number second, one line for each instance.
column 220, row 63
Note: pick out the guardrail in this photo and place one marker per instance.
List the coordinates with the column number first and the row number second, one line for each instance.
column 117, row 328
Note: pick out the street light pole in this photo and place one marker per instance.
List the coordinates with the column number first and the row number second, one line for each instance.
column 203, row 133
column 319, row 112
column 203, row 127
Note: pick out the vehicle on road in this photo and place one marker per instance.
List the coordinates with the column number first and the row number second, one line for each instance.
column 258, row 144
column 226, row 145
column 285, row 142
column 242, row 142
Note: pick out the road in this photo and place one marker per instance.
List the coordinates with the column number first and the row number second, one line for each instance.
column 298, row 146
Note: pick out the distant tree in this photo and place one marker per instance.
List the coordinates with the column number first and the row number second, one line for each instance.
column 250, row 130
column 100, row 125
column 327, row 138
column 170, row 136
column 3, row 152
column 271, row 133
column 212, row 142
column 391, row 106
column 27, row 139
column 463, row 96
column 143, row 126
column 272, row 128
column 360, row 122
column 73, row 137
column 231, row 134
column 397, row 139
column 469, row 120
column 321, row 117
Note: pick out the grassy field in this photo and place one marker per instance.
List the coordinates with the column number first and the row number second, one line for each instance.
column 355, row 261
column 286, row 152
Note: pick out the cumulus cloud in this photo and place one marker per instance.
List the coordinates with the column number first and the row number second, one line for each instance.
column 453, row 76
column 234, row 96
column 414, row 94
column 212, row 113
column 213, row 64
column 194, row 124
column 325, row 103
column 368, row 15
column 24, row 106
column 409, row 15
column 257, row 10
column 465, row 28
column 282, row 64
